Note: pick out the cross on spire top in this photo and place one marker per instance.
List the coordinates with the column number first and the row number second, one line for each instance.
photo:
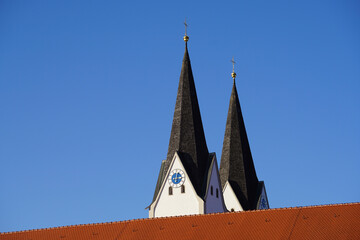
column 233, row 74
column 233, row 63
column 185, row 27
column 186, row 37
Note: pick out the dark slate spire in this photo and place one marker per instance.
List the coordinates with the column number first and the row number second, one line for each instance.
column 187, row 133
column 237, row 165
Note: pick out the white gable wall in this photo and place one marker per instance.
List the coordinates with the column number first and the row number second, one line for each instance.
column 231, row 201
column 179, row 203
column 214, row 204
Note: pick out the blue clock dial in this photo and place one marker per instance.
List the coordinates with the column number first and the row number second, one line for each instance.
column 176, row 178
column 263, row 204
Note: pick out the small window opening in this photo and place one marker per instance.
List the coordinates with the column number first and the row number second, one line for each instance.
column 170, row 191
column 217, row 193
column 233, row 210
column 182, row 189
column 212, row 190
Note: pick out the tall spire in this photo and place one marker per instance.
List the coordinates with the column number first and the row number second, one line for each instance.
column 237, row 165
column 187, row 136
column 187, row 133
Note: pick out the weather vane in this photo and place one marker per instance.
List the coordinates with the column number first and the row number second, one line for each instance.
column 233, row 74
column 186, row 37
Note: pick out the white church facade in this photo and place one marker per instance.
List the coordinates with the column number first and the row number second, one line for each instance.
column 177, row 195
column 190, row 181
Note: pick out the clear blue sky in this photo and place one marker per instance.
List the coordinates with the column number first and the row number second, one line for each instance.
column 88, row 89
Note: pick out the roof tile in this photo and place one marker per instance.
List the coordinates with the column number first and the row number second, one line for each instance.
column 339, row 221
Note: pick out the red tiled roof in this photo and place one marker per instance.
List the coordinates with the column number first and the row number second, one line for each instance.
column 341, row 221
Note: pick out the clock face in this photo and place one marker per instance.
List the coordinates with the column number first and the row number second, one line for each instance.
column 176, row 178
column 263, row 204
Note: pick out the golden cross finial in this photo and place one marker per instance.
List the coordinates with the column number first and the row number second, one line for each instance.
column 185, row 27
column 186, row 37
column 233, row 74
column 233, row 62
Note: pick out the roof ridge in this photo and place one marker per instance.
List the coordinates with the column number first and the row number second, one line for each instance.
column 74, row 225
column 304, row 207
column 181, row 216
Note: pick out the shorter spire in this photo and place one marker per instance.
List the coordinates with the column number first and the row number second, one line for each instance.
column 186, row 37
column 233, row 74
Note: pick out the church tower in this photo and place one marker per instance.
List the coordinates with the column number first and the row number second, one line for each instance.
column 188, row 181
column 241, row 188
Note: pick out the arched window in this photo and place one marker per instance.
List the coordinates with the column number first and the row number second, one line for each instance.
column 182, row 189
column 212, row 190
column 170, row 191
column 217, row 193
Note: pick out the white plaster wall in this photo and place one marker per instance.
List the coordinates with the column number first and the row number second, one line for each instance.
column 214, row 204
column 179, row 203
column 230, row 199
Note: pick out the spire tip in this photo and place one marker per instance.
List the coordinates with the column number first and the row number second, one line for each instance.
column 186, row 37
column 233, row 74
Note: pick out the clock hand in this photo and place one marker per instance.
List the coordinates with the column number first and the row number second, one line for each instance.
column 175, row 178
column 178, row 177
